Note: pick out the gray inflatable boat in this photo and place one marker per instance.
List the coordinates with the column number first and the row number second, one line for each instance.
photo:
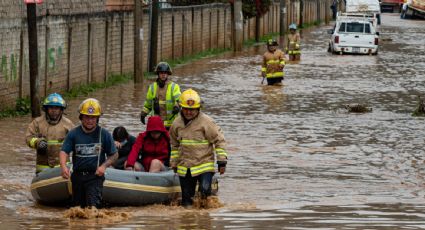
column 120, row 187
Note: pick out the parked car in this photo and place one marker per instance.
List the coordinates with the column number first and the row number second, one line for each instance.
column 353, row 35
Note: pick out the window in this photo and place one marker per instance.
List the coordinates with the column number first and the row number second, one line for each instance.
column 342, row 27
column 367, row 28
column 355, row 27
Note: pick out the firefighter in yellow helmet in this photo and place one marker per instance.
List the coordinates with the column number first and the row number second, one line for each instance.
column 47, row 132
column 162, row 96
column 273, row 63
column 293, row 43
column 195, row 138
column 90, row 145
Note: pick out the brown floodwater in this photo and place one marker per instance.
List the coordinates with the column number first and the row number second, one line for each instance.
column 297, row 158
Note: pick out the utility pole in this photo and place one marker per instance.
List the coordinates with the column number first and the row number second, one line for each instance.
column 282, row 17
column 238, row 26
column 301, row 13
column 33, row 56
column 154, row 35
column 138, row 41
column 257, row 26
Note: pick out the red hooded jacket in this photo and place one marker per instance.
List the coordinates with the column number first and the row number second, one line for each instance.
column 150, row 148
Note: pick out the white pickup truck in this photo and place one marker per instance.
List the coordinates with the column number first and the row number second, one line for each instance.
column 353, row 35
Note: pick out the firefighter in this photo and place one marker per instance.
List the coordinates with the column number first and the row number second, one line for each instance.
column 293, row 43
column 47, row 132
column 195, row 137
column 273, row 63
column 162, row 96
column 93, row 151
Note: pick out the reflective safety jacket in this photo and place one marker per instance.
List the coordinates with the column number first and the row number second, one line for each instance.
column 167, row 100
column 273, row 63
column 39, row 129
column 293, row 44
column 193, row 145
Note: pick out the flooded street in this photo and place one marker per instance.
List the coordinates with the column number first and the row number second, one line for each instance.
column 297, row 158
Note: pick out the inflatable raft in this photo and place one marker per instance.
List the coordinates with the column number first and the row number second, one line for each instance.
column 120, row 187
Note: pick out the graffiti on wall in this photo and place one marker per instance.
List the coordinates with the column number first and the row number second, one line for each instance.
column 53, row 54
column 9, row 63
column 9, row 67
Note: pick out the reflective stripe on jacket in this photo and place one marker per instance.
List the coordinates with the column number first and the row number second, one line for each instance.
column 272, row 64
column 172, row 97
column 193, row 145
column 293, row 44
column 39, row 129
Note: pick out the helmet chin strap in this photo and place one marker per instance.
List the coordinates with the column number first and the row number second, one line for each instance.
column 161, row 83
column 51, row 121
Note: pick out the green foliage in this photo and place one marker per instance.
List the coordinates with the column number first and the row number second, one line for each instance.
column 265, row 38
column 186, row 59
column 86, row 89
column 22, row 107
column 315, row 23
column 249, row 7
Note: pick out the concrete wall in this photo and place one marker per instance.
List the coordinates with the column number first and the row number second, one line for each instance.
column 84, row 41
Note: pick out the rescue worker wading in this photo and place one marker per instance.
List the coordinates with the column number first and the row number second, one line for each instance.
column 47, row 132
column 273, row 63
column 194, row 139
column 293, row 43
column 90, row 145
column 162, row 96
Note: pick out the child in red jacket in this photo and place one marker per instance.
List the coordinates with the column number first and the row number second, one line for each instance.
column 151, row 151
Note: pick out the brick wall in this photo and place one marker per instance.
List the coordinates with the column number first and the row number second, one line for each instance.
column 84, row 41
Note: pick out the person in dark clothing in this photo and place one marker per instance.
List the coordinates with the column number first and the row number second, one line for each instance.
column 151, row 152
column 93, row 151
column 334, row 8
column 123, row 142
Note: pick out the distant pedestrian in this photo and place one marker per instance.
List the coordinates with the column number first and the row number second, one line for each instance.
column 334, row 8
column 273, row 63
column 293, row 43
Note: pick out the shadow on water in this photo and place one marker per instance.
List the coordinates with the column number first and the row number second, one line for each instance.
column 297, row 160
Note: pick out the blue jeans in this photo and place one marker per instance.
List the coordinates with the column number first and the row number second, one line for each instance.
column 188, row 186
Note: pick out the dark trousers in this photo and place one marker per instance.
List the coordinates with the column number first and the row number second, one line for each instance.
column 188, row 186
column 119, row 163
column 274, row 80
column 87, row 189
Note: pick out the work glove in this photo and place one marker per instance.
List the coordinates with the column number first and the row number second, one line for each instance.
column 176, row 109
column 42, row 145
column 156, row 106
column 143, row 117
column 221, row 166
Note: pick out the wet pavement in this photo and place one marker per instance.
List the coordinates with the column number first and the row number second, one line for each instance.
column 298, row 159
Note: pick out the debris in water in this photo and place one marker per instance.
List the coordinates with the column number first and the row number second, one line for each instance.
column 420, row 109
column 357, row 108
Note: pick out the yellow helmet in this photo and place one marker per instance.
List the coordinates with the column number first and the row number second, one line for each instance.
column 90, row 107
column 190, row 99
